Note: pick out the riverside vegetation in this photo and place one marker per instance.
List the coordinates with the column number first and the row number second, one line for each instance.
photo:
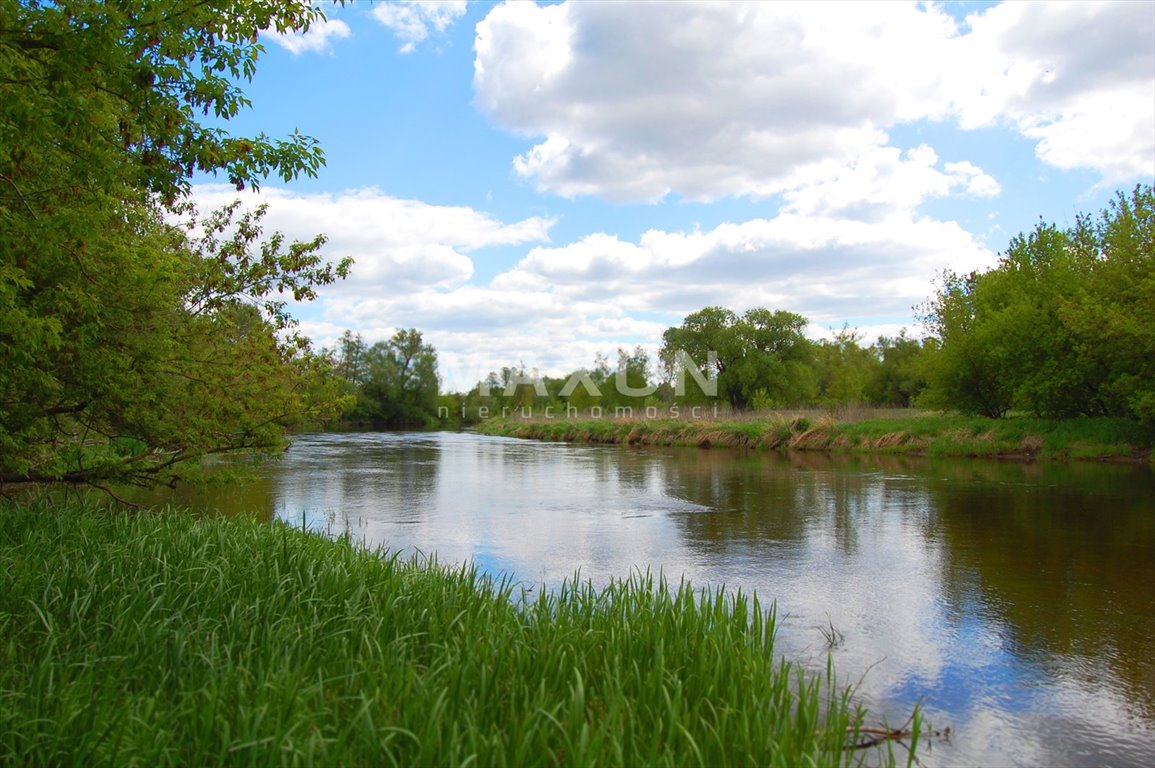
column 168, row 639
column 896, row 433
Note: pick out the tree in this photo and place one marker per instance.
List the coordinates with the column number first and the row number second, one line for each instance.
column 113, row 90
column 1112, row 318
column 1063, row 326
column 350, row 356
column 131, row 343
column 761, row 354
column 400, row 385
column 971, row 369
column 630, row 384
column 898, row 378
column 844, row 368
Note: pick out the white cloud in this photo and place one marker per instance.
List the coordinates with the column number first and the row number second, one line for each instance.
column 560, row 305
column 397, row 245
column 708, row 100
column 412, row 20
column 884, row 181
column 826, row 268
column 636, row 101
column 1078, row 77
column 318, row 39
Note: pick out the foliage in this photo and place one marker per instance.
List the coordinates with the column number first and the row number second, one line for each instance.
column 844, row 369
column 759, row 359
column 162, row 639
column 625, row 388
column 761, row 354
column 115, row 92
column 395, row 382
column 135, row 335
column 1064, row 326
column 898, row 379
column 898, row 432
column 167, row 348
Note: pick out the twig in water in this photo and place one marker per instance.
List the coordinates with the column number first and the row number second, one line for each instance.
column 833, row 637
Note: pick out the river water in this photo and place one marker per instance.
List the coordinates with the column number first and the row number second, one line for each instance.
column 1015, row 601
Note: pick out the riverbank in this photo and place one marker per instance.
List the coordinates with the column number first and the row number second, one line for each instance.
column 160, row 638
column 921, row 434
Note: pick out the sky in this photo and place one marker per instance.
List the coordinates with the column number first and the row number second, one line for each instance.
column 534, row 184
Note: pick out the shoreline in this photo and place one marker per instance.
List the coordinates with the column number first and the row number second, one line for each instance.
column 931, row 435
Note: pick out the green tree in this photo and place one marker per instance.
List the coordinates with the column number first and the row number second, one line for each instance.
column 898, row 378
column 971, row 368
column 1062, row 327
column 1111, row 319
column 630, row 384
column 844, row 368
column 580, row 381
column 129, row 343
column 351, row 359
column 761, row 354
column 400, row 387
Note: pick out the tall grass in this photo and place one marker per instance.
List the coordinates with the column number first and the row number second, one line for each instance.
column 162, row 639
column 889, row 432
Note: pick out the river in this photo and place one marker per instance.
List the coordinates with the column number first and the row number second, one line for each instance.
column 1015, row 601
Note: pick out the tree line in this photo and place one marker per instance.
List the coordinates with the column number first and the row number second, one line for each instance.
column 389, row 384
column 755, row 361
column 1063, row 326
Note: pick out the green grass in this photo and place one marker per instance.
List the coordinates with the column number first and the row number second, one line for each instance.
column 913, row 433
column 162, row 639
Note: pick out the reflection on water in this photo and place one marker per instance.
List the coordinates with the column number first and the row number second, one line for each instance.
column 1015, row 600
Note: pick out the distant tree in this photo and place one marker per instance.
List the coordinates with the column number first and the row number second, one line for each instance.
column 844, row 368
column 972, row 369
column 401, row 383
column 898, row 378
column 352, row 359
column 762, row 353
column 1111, row 318
column 630, row 383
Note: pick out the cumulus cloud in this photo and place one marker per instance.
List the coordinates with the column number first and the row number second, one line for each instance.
column 818, row 265
column 318, row 39
column 638, row 101
column 1077, row 77
column 884, row 180
column 829, row 255
column 561, row 305
column 412, row 20
column 398, row 245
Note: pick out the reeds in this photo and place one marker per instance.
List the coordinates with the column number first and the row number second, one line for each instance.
column 162, row 639
column 916, row 434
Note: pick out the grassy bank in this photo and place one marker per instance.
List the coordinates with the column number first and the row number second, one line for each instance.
column 159, row 639
column 921, row 434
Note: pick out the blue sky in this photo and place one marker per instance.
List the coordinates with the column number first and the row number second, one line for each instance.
column 537, row 183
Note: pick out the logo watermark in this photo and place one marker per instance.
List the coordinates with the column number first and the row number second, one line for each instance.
column 572, row 412
column 680, row 367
